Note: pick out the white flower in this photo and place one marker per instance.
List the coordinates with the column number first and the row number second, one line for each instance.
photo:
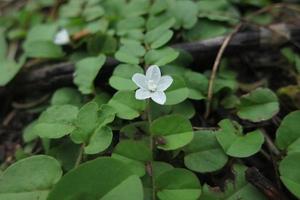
column 152, row 85
column 62, row 37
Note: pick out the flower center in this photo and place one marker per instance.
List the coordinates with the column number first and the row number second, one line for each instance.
column 152, row 85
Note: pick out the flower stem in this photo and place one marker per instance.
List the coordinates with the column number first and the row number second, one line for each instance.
column 152, row 148
column 80, row 155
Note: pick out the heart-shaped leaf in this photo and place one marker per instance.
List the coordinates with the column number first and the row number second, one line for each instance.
column 204, row 154
column 177, row 92
column 259, row 105
column 121, row 78
column 126, row 106
column 86, row 71
column 161, row 56
column 56, row 121
column 234, row 143
column 174, row 136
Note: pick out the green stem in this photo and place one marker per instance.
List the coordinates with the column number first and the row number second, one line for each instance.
column 80, row 155
column 152, row 148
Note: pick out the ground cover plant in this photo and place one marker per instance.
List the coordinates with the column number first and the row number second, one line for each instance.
column 149, row 100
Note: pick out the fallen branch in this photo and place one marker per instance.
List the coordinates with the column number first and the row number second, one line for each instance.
column 51, row 76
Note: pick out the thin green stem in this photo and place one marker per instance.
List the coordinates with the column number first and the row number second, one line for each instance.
column 80, row 155
column 152, row 148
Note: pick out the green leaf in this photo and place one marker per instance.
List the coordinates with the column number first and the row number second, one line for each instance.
column 41, row 32
column 234, row 143
column 121, row 78
column 103, row 178
column 178, row 184
column 160, row 35
column 129, row 24
column 289, row 172
column 204, row 154
column 9, row 69
column 197, row 84
column 130, row 53
column 219, row 10
column 185, row 13
column 3, row 45
column 212, row 29
column 93, row 12
column 66, row 96
column 259, row 105
column 29, row 133
column 86, row 71
column 161, row 56
column 126, row 105
column 239, row 188
column 174, row 136
column 56, row 121
column 133, row 153
column 177, row 92
column 43, row 49
column 30, row 178
column 99, row 141
column 288, row 134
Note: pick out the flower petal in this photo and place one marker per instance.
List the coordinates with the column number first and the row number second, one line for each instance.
column 141, row 94
column 62, row 37
column 159, row 97
column 140, row 80
column 164, row 83
column 153, row 73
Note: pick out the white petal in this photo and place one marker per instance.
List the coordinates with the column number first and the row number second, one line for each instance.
column 164, row 83
column 159, row 97
column 153, row 73
column 62, row 37
column 140, row 80
column 141, row 94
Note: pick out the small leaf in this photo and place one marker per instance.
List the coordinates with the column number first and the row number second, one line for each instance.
column 174, row 136
column 177, row 92
column 3, row 45
column 178, row 184
column 99, row 141
column 102, row 178
column 43, row 49
column 204, row 154
column 197, row 84
column 56, row 121
column 86, row 71
column 66, row 96
column 185, row 13
column 161, row 57
column 234, row 143
column 133, row 153
column 121, row 78
column 288, row 134
column 126, row 106
column 235, row 189
column 30, row 178
column 259, row 105
column 289, row 172
column 130, row 53
column 9, row 69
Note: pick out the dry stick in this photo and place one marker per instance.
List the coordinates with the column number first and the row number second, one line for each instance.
column 215, row 68
column 263, row 184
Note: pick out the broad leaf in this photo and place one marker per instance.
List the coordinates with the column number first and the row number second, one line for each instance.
column 177, row 92
column 161, row 56
column 121, row 78
column 204, row 154
column 126, row 106
column 166, row 128
column 259, row 105
column 30, row 178
column 103, row 178
column 234, row 143
column 86, row 71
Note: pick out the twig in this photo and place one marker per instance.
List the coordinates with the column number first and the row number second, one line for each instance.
column 30, row 104
column 215, row 68
column 263, row 184
column 9, row 117
column 270, row 143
